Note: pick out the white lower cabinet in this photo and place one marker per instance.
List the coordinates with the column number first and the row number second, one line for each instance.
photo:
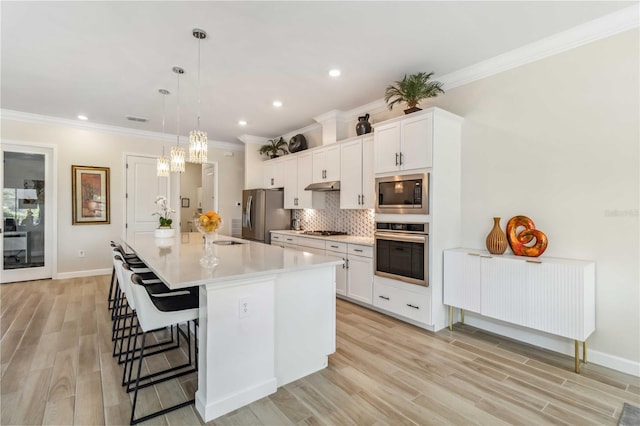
column 400, row 301
column 360, row 273
column 552, row 295
column 354, row 278
column 339, row 251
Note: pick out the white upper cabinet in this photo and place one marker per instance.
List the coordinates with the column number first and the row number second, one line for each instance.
column 297, row 175
column 356, row 174
column 326, row 164
column 272, row 172
column 405, row 144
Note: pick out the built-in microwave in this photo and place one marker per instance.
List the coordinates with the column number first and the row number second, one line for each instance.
column 403, row 194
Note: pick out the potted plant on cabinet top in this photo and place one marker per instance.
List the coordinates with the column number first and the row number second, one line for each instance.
column 274, row 147
column 412, row 89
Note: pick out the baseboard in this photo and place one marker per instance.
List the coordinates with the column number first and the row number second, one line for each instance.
column 552, row 343
column 209, row 410
column 80, row 274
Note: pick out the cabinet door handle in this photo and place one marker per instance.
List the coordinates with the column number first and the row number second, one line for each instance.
column 473, row 254
column 358, row 250
column 538, row 262
column 384, row 297
column 413, row 306
column 362, row 198
column 359, row 199
column 397, row 159
column 344, row 264
column 401, row 159
column 271, row 181
column 334, row 247
column 486, row 257
column 289, row 239
column 347, row 263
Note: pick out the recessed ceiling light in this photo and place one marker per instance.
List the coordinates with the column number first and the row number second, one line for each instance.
column 82, row 117
column 242, row 123
column 334, row 72
column 277, row 104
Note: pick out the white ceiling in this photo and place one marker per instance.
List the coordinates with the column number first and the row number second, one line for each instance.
column 107, row 60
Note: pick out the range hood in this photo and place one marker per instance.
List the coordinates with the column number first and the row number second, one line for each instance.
column 324, row 186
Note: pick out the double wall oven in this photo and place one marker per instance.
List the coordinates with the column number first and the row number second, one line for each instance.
column 402, row 252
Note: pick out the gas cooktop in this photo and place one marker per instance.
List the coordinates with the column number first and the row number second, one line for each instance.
column 324, row 233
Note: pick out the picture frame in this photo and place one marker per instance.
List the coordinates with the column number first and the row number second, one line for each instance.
column 90, row 195
column 185, row 203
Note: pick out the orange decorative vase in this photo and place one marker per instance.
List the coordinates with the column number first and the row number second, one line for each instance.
column 496, row 240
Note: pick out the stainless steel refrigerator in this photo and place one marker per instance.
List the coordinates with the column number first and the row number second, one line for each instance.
column 263, row 211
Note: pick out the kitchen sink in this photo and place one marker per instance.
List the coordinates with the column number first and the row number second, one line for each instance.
column 226, row 242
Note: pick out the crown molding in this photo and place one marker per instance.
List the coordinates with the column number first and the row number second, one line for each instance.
column 26, row 117
column 251, row 139
column 597, row 29
column 334, row 114
column 606, row 26
column 374, row 107
column 306, row 129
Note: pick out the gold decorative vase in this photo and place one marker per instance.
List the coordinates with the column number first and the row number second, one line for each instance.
column 496, row 240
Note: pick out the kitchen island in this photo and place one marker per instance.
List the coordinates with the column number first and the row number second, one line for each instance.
column 267, row 314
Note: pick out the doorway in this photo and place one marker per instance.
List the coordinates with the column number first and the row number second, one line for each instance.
column 28, row 212
column 198, row 192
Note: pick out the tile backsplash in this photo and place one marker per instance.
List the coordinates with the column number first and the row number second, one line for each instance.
column 354, row 222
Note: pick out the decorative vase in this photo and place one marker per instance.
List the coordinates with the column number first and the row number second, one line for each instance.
column 497, row 239
column 164, row 232
column 363, row 126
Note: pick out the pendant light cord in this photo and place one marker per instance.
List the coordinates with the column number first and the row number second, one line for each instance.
column 199, row 107
column 178, row 112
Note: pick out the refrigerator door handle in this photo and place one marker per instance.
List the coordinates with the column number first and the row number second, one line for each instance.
column 248, row 212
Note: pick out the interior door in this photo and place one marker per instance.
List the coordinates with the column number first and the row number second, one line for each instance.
column 143, row 186
column 28, row 212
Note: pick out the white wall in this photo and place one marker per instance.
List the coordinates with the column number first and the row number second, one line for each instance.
column 77, row 146
column 558, row 140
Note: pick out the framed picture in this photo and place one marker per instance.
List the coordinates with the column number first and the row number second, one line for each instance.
column 185, row 202
column 90, row 195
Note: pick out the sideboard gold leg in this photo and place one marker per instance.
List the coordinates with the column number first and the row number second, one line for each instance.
column 450, row 317
column 462, row 316
column 577, row 356
column 584, row 351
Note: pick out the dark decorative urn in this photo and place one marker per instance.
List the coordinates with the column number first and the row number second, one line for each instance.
column 363, row 126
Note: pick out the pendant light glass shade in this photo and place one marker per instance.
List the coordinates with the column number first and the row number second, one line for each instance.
column 177, row 159
column 162, row 164
column 198, row 145
column 177, row 152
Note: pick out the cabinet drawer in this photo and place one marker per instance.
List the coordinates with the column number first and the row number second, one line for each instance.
column 277, row 237
column 311, row 242
column 358, row 250
column 337, row 247
column 289, row 239
column 402, row 302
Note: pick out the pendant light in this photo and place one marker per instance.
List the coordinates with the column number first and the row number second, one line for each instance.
column 163, row 163
column 177, row 152
column 198, row 146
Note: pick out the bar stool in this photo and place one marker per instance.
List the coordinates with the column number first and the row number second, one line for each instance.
column 124, row 323
column 154, row 312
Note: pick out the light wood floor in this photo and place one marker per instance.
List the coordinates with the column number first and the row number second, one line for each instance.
column 56, row 366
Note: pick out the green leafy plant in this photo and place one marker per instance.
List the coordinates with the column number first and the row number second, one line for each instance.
column 412, row 89
column 164, row 211
column 274, row 147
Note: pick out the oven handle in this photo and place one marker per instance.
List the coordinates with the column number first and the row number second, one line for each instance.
column 410, row 238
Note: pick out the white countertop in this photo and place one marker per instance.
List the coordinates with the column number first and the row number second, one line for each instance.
column 349, row 239
column 177, row 260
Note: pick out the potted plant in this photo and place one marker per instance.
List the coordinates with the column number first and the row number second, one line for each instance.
column 164, row 229
column 412, row 89
column 274, row 147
